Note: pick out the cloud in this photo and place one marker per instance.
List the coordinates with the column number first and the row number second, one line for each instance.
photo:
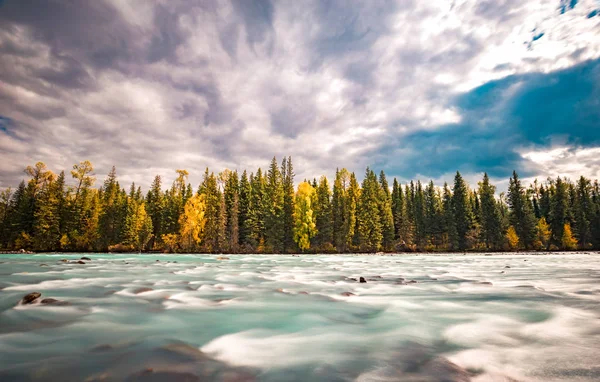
column 417, row 88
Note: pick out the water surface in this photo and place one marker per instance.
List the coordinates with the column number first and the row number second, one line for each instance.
column 289, row 318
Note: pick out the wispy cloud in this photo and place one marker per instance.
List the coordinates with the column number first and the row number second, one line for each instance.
column 417, row 88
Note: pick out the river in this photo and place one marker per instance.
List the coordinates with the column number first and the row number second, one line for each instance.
column 450, row 317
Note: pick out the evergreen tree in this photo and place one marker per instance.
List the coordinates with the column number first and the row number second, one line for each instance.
column 323, row 215
column 491, row 224
column 155, row 205
column 521, row 215
column 351, row 228
column 558, row 211
column 245, row 193
column 584, row 209
column 385, row 213
column 369, row 221
column 287, row 171
column 274, row 229
column 231, row 196
column 463, row 217
column 449, row 221
column 339, row 206
column 433, row 217
column 258, row 211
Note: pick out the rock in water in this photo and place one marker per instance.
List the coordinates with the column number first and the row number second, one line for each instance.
column 30, row 298
column 348, row 294
column 86, row 258
column 142, row 290
column 80, row 262
column 53, row 301
column 222, row 258
column 362, row 280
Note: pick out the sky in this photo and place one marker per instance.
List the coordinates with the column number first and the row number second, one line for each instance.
column 419, row 89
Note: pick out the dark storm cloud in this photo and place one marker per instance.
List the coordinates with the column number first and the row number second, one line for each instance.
column 92, row 32
column 500, row 117
column 153, row 86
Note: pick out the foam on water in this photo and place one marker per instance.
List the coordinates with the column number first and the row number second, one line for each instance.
column 527, row 317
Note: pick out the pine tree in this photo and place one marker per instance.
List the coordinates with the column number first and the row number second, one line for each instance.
column 155, row 209
column 214, row 228
column 258, row 210
column 323, row 215
column 339, row 205
column 231, row 195
column 369, row 220
column 462, row 210
column 491, row 224
column 351, row 221
column 449, row 220
column 432, row 218
column 245, row 193
column 521, row 215
column 583, row 211
column 385, row 213
column 274, row 229
column 558, row 211
column 287, row 171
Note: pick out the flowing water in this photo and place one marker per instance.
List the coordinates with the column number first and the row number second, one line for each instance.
column 301, row 318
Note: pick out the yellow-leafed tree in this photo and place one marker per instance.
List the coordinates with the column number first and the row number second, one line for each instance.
column 192, row 222
column 543, row 234
column 512, row 238
column 568, row 241
column 304, row 222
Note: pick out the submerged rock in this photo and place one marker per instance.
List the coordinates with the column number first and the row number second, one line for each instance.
column 86, row 258
column 43, row 265
column 142, row 290
column 53, row 301
column 222, row 258
column 150, row 375
column 79, row 262
column 348, row 294
column 30, row 298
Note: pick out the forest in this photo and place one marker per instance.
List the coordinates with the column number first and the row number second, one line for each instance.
column 263, row 212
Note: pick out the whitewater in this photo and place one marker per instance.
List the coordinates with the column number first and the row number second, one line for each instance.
column 185, row 317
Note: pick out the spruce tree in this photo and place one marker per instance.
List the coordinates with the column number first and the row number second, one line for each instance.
column 386, row 214
column 274, row 229
column 323, row 215
column 463, row 216
column 245, row 193
column 521, row 215
column 491, row 225
column 287, row 171
column 369, row 220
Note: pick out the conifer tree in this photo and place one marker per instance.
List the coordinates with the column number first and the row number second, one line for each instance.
column 558, row 211
column 584, row 209
column 231, row 196
column 521, row 215
column 245, row 193
column 385, row 213
column 491, row 224
column 369, row 220
column 274, row 229
column 287, row 171
column 323, row 215
column 351, row 221
column 462, row 210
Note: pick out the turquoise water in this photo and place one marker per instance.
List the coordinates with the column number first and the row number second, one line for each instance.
column 289, row 318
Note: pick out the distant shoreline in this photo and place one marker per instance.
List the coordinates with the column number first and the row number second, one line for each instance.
column 484, row 253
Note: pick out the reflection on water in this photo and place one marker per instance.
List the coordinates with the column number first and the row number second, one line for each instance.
column 308, row 318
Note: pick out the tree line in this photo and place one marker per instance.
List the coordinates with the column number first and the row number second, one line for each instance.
column 262, row 212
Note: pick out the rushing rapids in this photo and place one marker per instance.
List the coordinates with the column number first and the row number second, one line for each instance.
column 451, row 317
